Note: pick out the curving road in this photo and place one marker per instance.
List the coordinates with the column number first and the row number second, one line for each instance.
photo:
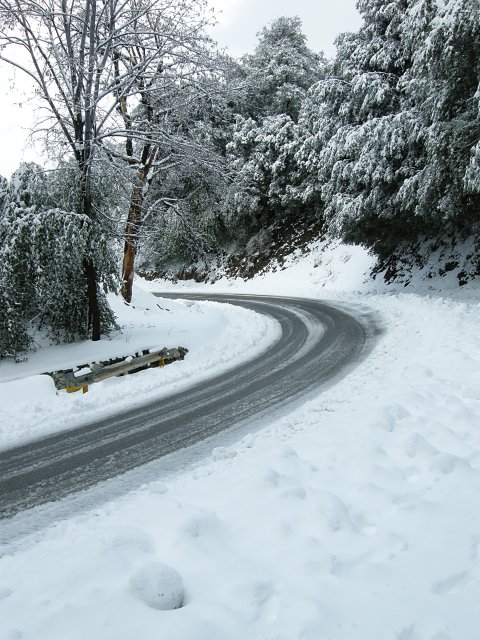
column 317, row 342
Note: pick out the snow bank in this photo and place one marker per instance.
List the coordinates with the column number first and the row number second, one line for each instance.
column 324, row 267
column 333, row 268
column 214, row 335
column 27, row 394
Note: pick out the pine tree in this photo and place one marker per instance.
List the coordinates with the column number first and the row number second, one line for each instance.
column 444, row 80
column 365, row 139
column 266, row 135
column 395, row 126
column 263, row 154
column 280, row 70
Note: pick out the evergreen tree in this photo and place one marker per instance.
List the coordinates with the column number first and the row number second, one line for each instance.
column 266, row 135
column 41, row 263
column 263, row 155
column 442, row 86
column 324, row 111
column 395, row 124
column 360, row 165
column 279, row 72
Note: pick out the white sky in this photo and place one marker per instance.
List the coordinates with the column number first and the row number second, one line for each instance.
column 238, row 23
column 16, row 116
column 323, row 20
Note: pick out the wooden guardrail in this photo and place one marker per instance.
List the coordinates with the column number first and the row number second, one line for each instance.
column 71, row 382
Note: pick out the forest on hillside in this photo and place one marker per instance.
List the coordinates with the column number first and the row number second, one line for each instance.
column 168, row 156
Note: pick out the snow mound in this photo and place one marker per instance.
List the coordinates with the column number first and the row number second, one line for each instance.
column 223, row 453
column 158, row 586
column 130, row 541
column 34, row 391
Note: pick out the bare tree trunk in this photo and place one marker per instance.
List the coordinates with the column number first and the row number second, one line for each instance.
column 132, row 230
column 93, row 313
column 134, row 223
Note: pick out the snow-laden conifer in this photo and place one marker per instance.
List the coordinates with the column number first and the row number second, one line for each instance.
column 392, row 146
column 42, row 272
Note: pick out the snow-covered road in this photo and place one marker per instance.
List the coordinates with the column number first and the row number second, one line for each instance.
column 317, row 342
column 353, row 516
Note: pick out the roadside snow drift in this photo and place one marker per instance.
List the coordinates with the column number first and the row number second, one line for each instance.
column 214, row 334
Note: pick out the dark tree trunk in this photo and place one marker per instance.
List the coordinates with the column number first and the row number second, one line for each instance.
column 94, row 324
column 93, row 312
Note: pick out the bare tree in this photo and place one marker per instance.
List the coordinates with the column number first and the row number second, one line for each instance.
column 106, row 72
column 166, row 55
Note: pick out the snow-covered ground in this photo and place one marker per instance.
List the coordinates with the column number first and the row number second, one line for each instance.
column 354, row 517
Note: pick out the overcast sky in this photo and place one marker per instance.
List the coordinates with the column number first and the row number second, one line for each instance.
column 323, row 20
column 238, row 23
